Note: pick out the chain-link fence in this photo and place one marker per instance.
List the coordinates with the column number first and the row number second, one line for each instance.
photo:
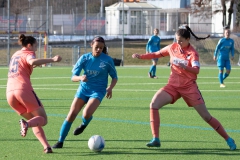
column 70, row 34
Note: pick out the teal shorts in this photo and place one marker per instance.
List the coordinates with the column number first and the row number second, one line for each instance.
column 86, row 94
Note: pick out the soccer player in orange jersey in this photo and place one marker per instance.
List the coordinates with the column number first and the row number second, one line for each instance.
column 182, row 83
column 20, row 94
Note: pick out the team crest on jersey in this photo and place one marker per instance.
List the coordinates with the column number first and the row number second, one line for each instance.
column 102, row 65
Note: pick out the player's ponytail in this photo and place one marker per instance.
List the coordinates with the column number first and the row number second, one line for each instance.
column 197, row 38
column 185, row 31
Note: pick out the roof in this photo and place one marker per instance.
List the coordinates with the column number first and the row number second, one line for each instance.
column 132, row 5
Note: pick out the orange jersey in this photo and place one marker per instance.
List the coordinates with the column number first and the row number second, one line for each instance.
column 20, row 71
column 189, row 56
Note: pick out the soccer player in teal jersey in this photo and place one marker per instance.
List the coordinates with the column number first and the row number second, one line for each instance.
column 153, row 45
column 221, row 54
column 97, row 65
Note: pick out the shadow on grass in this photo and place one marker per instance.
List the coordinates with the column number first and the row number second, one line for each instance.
column 156, row 151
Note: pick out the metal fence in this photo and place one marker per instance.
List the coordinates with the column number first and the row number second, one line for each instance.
column 68, row 30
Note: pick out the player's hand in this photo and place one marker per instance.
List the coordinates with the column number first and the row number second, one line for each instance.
column 135, row 55
column 214, row 58
column 109, row 93
column 182, row 65
column 232, row 58
column 84, row 78
column 57, row 58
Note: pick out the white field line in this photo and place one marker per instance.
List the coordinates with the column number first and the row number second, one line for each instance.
column 119, row 77
column 119, row 84
column 120, row 90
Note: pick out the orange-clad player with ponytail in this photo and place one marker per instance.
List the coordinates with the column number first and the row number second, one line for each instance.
column 182, row 83
column 20, row 94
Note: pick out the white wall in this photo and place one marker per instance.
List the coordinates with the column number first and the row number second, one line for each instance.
column 166, row 4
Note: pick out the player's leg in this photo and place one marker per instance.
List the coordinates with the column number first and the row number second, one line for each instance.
column 154, row 68
column 35, row 114
column 91, row 106
column 228, row 69
column 220, row 76
column 150, row 72
column 36, row 117
column 221, row 65
column 88, row 111
column 215, row 124
column 76, row 107
column 160, row 99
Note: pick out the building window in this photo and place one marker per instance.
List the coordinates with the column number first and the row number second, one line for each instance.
column 125, row 17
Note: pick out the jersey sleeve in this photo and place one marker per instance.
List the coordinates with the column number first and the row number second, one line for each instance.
column 30, row 56
column 195, row 59
column 159, row 54
column 232, row 48
column 148, row 44
column 112, row 69
column 159, row 44
column 217, row 47
column 78, row 67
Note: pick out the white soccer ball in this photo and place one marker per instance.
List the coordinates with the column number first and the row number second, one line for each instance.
column 96, row 143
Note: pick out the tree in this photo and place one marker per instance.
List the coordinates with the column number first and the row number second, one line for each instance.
column 203, row 9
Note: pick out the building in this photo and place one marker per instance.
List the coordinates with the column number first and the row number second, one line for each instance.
column 140, row 18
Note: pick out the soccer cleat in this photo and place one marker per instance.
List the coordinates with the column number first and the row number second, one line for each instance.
column 150, row 75
column 79, row 129
column 58, row 145
column 24, row 127
column 231, row 144
column 155, row 142
column 155, row 77
column 48, row 150
column 222, row 86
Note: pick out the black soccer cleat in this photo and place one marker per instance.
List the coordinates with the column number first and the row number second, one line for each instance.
column 79, row 129
column 58, row 145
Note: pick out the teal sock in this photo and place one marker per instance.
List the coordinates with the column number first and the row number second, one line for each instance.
column 85, row 122
column 225, row 76
column 220, row 77
column 64, row 130
column 156, row 139
column 151, row 69
column 154, row 71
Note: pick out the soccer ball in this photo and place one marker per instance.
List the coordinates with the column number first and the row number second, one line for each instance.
column 96, row 143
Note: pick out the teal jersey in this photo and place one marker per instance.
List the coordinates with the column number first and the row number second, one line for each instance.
column 97, row 70
column 153, row 44
column 223, row 48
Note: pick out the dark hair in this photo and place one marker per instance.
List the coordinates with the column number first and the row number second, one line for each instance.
column 100, row 39
column 185, row 31
column 25, row 40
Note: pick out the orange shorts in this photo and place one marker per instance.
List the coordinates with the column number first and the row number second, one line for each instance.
column 191, row 94
column 23, row 101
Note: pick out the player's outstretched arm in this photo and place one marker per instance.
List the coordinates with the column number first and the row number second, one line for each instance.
column 37, row 62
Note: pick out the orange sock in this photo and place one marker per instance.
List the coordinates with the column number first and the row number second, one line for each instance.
column 154, row 122
column 36, row 121
column 216, row 125
column 39, row 133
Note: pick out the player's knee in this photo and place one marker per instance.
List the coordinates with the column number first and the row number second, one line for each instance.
column 45, row 121
column 154, row 105
column 206, row 117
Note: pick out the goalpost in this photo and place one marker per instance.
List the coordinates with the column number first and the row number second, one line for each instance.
column 41, row 37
